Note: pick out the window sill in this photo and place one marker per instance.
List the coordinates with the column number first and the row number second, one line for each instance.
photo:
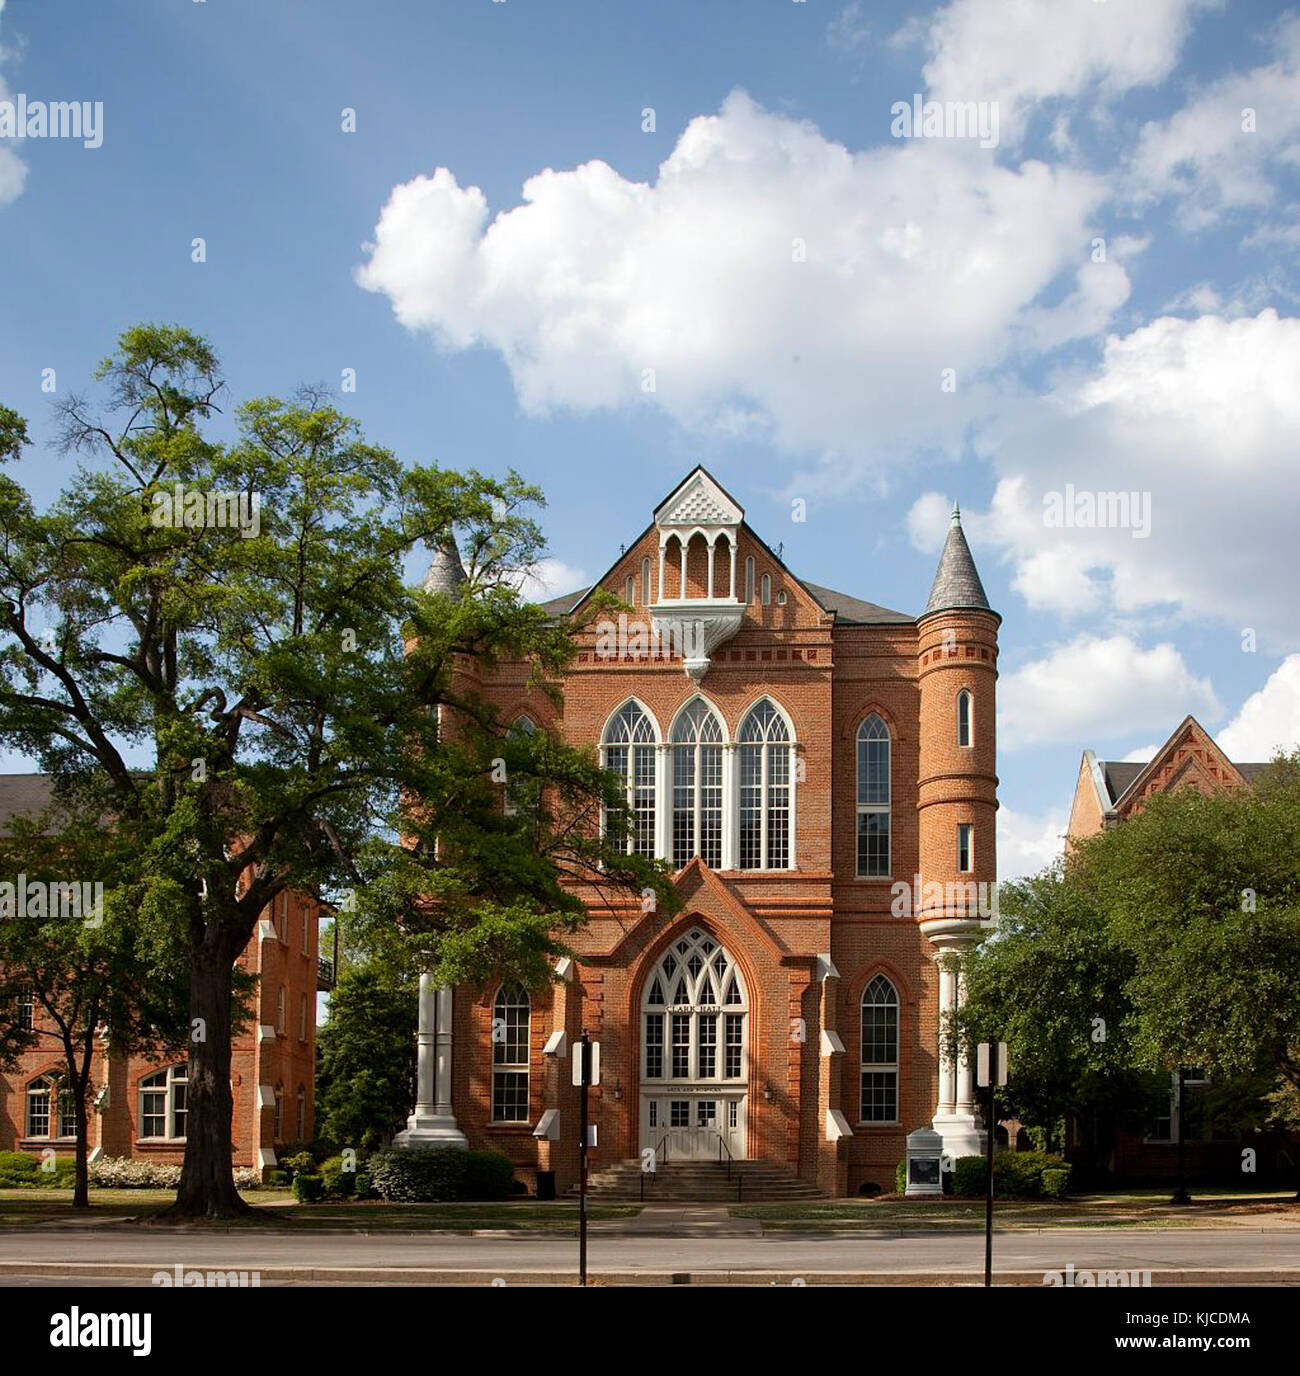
column 894, row 1123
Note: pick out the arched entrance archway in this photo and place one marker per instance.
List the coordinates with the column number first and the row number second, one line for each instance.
column 695, row 1052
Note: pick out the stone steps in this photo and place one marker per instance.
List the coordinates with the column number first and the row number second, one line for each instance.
column 703, row 1182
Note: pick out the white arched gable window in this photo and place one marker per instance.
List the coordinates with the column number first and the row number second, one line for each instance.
column 697, row 785
column 879, row 1052
column 766, row 789
column 693, row 1012
column 628, row 750
column 873, row 798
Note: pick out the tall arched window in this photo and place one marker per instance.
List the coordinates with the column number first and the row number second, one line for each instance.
column 879, row 1052
column 873, row 798
column 749, row 578
column 523, row 794
column 629, row 590
column 765, row 587
column 963, row 717
column 162, row 1102
column 697, row 786
column 629, row 750
column 40, row 1096
column 645, row 581
column 764, row 789
column 512, row 1011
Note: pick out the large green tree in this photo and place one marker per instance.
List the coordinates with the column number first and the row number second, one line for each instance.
column 273, row 706
column 1171, row 940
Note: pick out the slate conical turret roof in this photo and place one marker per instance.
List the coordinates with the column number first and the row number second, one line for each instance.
column 446, row 573
column 957, row 585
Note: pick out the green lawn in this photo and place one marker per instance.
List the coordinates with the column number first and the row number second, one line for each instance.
column 28, row 1208
column 1137, row 1208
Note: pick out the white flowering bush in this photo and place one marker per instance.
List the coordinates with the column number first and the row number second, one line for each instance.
column 121, row 1173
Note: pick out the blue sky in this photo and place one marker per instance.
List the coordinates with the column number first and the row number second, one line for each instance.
column 511, row 327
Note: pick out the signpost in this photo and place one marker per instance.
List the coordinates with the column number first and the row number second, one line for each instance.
column 990, row 1070
column 586, row 1072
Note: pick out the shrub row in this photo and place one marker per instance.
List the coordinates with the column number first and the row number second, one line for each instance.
column 1016, row 1175
column 430, row 1174
column 18, row 1170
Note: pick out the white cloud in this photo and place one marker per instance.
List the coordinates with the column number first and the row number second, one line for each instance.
column 1203, row 155
column 1144, row 754
column 552, row 578
column 1024, row 52
column 1269, row 720
column 922, row 255
column 1201, row 415
column 13, row 170
column 1028, row 844
column 1095, row 688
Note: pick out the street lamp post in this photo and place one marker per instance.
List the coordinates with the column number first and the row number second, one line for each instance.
column 1180, row 1195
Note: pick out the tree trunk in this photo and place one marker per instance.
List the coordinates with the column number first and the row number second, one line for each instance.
column 207, row 1188
column 81, row 1189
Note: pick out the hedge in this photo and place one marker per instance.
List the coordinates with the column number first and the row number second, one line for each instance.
column 308, row 1189
column 1016, row 1174
column 432, row 1174
column 18, row 1171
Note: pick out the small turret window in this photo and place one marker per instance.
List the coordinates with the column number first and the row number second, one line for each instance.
column 963, row 717
column 965, row 847
column 873, row 798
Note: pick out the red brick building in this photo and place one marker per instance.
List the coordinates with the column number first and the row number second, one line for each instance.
column 805, row 759
column 140, row 1101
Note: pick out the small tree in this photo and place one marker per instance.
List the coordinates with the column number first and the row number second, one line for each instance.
column 366, row 1079
column 90, row 946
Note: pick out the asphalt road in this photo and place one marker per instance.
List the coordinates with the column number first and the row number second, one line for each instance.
column 1236, row 1256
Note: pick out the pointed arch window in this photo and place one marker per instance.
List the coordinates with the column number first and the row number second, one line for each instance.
column 964, row 711
column 765, row 589
column 873, row 798
column 879, row 1052
column 645, row 581
column 765, row 783
column 749, row 578
column 697, row 785
column 512, row 1016
column 629, row 751
column 700, row 1033
column 40, row 1096
column 522, row 793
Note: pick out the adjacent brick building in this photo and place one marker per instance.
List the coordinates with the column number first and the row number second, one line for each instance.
column 1107, row 793
column 804, row 758
column 140, row 1100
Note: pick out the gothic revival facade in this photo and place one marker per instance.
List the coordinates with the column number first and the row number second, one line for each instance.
column 820, row 772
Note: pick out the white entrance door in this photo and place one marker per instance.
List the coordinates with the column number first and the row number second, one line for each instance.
column 694, row 1057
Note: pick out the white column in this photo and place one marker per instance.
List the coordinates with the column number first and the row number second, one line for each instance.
column 732, row 543
column 433, row 1123
column 663, row 803
column 659, row 587
column 955, row 1118
column 730, row 807
column 683, row 543
column 713, row 546
column 947, row 1080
